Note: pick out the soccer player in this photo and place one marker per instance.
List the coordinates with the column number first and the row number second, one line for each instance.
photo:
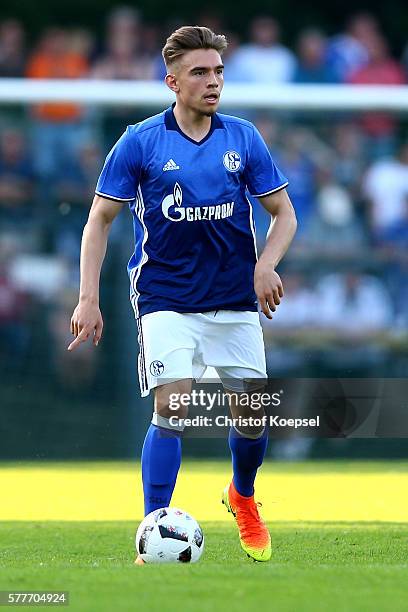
column 194, row 276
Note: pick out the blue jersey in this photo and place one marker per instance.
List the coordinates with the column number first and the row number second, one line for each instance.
column 194, row 232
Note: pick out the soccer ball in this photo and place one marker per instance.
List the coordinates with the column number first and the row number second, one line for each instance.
column 169, row 535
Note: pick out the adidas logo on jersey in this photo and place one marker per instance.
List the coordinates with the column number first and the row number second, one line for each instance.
column 171, row 165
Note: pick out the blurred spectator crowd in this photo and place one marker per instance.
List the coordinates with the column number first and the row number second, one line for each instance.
column 346, row 276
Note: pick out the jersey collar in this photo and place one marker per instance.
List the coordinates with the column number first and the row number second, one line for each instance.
column 171, row 124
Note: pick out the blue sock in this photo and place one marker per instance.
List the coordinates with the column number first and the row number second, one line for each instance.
column 247, row 456
column 161, row 458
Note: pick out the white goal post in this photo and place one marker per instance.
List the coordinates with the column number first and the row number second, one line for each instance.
column 235, row 95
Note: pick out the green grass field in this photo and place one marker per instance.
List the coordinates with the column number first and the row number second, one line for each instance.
column 317, row 565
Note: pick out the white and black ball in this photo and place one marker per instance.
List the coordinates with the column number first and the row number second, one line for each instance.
column 169, row 535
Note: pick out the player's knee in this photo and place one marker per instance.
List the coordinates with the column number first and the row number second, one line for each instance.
column 165, row 409
column 252, row 432
column 171, row 400
column 249, row 420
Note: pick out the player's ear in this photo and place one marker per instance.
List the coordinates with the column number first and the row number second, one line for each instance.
column 171, row 82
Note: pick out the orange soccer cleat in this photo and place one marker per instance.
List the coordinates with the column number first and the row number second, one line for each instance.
column 253, row 533
column 139, row 561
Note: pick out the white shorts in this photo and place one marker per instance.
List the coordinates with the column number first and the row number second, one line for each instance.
column 176, row 346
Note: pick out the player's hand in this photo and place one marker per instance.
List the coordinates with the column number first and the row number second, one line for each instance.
column 86, row 321
column 268, row 287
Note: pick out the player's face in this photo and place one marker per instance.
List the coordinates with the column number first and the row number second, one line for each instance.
column 199, row 79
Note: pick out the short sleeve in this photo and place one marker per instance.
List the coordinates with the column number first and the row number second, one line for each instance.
column 261, row 174
column 121, row 171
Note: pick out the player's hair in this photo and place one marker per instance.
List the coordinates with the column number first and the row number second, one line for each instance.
column 189, row 38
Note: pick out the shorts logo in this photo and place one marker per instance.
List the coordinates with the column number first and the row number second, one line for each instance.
column 156, row 368
column 232, row 161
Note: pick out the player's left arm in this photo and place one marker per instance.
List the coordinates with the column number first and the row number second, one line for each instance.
column 267, row 282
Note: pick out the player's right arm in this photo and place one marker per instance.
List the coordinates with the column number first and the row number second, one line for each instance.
column 87, row 320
